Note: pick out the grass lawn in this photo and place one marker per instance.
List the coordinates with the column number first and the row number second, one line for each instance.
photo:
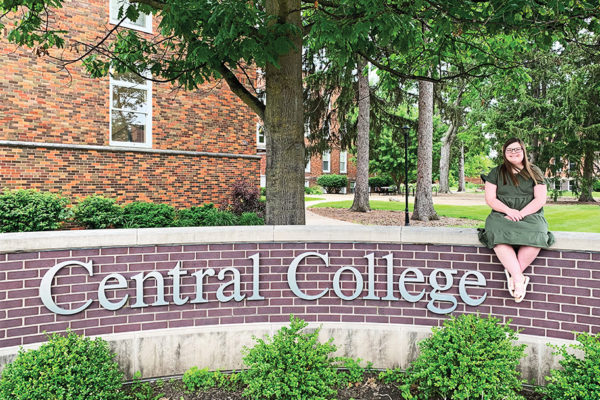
column 572, row 218
column 307, row 198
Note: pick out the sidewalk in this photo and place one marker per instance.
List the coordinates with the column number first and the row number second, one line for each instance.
column 462, row 199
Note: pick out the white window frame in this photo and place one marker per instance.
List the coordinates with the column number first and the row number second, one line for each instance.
column 306, row 129
column 307, row 167
column 113, row 19
column 344, row 162
column 260, row 143
column 147, row 85
column 326, row 158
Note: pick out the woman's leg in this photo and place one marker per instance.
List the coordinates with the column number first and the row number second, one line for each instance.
column 526, row 256
column 507, row 256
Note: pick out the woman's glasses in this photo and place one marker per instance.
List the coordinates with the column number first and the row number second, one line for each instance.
column 516, row 150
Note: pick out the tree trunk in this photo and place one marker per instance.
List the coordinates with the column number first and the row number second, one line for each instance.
column 361, row 192
column 447, row 141
column 587, row 181
column 461, row 169
column 423, row 200
column 284, row 126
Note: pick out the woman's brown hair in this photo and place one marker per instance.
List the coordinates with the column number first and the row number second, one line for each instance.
column 527, row 172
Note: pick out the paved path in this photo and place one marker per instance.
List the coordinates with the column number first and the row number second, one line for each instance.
column 462, row 199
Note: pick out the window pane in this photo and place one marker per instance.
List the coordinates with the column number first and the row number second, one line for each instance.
column 128, row 76
column 129, row 98
column 115, row 5
column 128, row 127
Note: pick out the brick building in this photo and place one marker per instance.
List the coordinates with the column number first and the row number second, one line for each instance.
column 121, row 136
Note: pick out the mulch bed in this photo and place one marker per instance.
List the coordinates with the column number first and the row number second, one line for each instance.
column 370, row 389
column 385, row 217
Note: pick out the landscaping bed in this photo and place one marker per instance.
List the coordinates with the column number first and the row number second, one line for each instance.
column 386, row 217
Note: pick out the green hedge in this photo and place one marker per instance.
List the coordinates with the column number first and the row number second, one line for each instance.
column 29, row 210
column 332, row 183
column 65, row 368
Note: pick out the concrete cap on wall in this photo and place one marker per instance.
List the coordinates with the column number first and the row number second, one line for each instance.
column 81, row 239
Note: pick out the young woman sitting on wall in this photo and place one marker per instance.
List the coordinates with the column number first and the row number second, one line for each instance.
column 516, row 228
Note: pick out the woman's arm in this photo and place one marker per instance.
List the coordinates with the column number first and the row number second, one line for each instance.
column 497, row 205
column 539, row 199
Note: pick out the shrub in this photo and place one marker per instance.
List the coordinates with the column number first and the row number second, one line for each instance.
column 380, row 181
column 332, row 183
column 469, row 357
column 249, row 218
column 245, row 197
column 353, row 372
column 148, row 215
column 291, row 365
column 195, row 378
column 395, row 375
column 596, row 185
column 97, row 212
column 580, row 377
column 263, row 191
column 139, row 390
column 313, row 190
column 29, row 210
column 207, row 215
column 70, row 367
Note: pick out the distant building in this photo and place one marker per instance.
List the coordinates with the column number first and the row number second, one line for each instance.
column 122, row 137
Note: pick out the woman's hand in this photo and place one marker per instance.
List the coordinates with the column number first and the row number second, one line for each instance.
column 513, row 215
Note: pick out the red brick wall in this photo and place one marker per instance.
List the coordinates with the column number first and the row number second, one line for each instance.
column 40, row 103
column 563, row 298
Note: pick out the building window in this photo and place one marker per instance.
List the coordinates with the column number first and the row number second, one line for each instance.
column 263, row 181
column 307, row 168
column 306, row 183
column 143, row 23
column 260, row 136
column 343, row 162
column 130, row 110
column 326, row 161
column 306, row 129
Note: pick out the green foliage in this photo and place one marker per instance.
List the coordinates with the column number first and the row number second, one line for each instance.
column 64, row 368
column 97, row 212
column 207, row 215
column 290, row 365
column 596, row 186
column 313, row 190
column 332, row 182
column 380, row 181
column 353, row 372
column 392, row 376
column 579, row 378
column 29, row 210
column 148, row 215
column 469, row 357
column 195, row 379
column 139, row 390
column 250, row 218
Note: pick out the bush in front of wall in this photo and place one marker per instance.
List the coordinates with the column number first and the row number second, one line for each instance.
column 579, row 377
column 468, row 358
column 290, row 365
column 332, row 183
column 245, row 197
column 140, row 214
column 250, row 218
column 196, row 378
column 64, row 368
column 27, row 210
column 207, row 215
column 97, row 212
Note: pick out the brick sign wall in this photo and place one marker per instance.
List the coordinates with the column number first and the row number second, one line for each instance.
column 564, row 294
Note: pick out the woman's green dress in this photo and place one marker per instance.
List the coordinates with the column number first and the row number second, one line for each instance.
column 530, row 231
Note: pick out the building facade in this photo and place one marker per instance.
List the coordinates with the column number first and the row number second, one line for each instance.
column 121, row 136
